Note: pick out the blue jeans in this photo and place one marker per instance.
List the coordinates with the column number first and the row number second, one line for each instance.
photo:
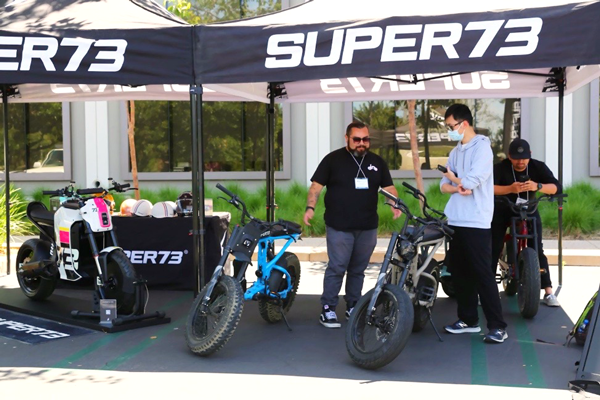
column 349, row 253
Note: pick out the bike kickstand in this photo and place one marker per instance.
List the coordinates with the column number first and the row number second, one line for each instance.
column 433, row 325
column 284, row 318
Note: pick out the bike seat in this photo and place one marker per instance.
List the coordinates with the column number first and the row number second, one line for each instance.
column 283, row 227
column 429, row 234
column 39, row 213
column 432, row 233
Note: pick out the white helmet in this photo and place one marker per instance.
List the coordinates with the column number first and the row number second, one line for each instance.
column 142, row 208
column 126, row 207
column 164, row 209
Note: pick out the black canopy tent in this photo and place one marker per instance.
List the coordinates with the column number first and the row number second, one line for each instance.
column 86, row 50
column 344, row 50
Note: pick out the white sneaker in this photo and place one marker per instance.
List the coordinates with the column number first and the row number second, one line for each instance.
column 551, row 301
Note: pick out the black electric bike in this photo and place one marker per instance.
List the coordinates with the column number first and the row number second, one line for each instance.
column 406, row 288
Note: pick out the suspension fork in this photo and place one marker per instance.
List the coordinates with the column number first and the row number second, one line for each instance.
column 95, row 252
column 210, row 286
column 382, row 274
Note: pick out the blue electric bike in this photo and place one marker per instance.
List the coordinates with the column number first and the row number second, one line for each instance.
column 217, row 310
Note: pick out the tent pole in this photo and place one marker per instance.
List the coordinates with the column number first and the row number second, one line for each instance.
column 271, row 154
column 6, row 174
column 561, row 95
column 197, row 189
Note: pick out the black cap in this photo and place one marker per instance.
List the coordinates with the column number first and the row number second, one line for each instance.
column 519, row 149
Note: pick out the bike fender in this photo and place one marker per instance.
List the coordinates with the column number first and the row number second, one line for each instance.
column 110, row 249
column 103, row 256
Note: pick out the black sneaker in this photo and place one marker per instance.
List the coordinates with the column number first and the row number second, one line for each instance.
column 328, row 318
column 349, row 309
column 495, row 336
column 461, row 327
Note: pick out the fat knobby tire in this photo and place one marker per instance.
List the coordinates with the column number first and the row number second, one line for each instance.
column 401, row 314
column 270, row 311
column 226, row 305
column 38, row 288
column 529, row 283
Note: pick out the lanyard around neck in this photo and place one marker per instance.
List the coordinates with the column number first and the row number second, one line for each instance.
column 359, row 165
column 515, row 178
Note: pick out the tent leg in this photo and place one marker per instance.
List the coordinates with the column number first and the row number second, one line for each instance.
column 271, row 154
column 561, row 95
column 197, row 189
column 6, row 175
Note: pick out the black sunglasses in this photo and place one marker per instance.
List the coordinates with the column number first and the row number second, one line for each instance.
column 365, row 139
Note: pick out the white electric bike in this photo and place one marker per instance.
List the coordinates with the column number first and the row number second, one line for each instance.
column 78, row 243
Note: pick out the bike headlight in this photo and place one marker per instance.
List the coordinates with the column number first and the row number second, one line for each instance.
column 406, row 249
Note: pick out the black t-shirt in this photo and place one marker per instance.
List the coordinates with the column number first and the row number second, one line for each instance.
column 537, row 171
column 348, row 208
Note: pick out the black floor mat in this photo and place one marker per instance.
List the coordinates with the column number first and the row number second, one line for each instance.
column 32, row 330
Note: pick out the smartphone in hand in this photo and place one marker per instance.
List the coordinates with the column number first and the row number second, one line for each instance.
column 524, row 178
column 442, row 168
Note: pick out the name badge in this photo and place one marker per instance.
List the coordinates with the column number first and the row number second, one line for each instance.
column 520, row 201
column 361, row 183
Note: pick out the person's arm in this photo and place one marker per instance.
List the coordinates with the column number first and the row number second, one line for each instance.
column 481, row 168
column 550, row 184
column 501, row 190
column 392, row 190
column 446, row 184
column 311, row 201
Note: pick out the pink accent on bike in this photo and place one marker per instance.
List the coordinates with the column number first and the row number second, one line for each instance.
column 102, row 208
column 64, row 236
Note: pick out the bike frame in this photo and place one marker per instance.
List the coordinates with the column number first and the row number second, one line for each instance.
column 520, row 227
column 242, row 243
column 403, row 266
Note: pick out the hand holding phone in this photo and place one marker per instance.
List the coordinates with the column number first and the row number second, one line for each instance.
column 524, row 178
column 442, row 168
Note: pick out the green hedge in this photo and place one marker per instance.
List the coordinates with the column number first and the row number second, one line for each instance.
column 579, row 216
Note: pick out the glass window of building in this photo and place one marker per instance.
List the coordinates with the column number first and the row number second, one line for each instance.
column 234, row 136
column 234, row 132
column 35, row 135
column 498, row 119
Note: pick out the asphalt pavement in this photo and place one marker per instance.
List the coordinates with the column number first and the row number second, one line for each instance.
column 266, row 360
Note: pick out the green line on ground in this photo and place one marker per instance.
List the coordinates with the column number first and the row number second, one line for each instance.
column 68, row 361
column 141, row 347
column 479, row 372
column 530, row 360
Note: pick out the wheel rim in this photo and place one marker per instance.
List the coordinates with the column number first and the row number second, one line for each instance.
column 114, row 282
column 369, row 337
column 205, row 323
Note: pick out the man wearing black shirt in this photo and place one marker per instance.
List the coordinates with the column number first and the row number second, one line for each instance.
column 353, row 177
column 508, row 181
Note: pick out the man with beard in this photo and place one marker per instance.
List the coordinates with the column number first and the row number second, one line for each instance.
column 519, row 178
column 353, row 176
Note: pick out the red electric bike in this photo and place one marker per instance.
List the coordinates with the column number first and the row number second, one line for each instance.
column 519, row 263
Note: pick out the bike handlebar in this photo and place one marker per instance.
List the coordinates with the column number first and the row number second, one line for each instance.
column 51, row 192
column 90, row 191
column 225, row 190
column 430, row 220
column 529, row 206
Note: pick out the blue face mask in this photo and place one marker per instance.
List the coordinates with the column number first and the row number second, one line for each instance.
column 454, row 135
